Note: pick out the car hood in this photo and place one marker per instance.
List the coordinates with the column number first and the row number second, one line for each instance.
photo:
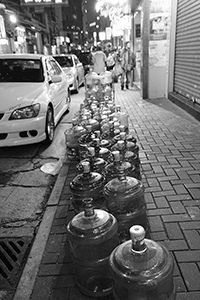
column 15, row 95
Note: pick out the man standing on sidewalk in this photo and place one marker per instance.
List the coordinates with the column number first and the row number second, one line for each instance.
column 127, row 64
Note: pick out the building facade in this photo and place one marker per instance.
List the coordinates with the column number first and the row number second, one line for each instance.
column 166, row 40
column 33, row 26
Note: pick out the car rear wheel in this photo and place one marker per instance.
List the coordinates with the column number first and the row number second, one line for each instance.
column 50, row 126
column 76, row 86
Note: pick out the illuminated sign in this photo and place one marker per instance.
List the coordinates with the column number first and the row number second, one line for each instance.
column 2, row 28
column 44, row 2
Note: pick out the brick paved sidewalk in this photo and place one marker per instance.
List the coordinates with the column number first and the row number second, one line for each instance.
column 169, row 141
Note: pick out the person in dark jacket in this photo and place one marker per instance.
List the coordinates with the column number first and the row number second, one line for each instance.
column 127, row 64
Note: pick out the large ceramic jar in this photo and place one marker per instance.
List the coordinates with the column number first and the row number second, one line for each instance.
column 93, row 236
column 142, row 269
column 87, row 185
column 125, row 200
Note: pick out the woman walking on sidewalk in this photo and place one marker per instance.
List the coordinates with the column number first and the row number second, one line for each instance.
column 99, row 61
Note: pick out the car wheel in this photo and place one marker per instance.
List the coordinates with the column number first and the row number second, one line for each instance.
column 50, row 126
column 76, row 86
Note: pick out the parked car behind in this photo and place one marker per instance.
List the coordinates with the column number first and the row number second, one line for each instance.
column 86, row 58
column 34, row 95
column 73, row 68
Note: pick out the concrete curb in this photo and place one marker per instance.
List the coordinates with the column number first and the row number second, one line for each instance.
column 27, row 281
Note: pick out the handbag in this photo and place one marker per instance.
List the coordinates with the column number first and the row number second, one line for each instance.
column 117, row 70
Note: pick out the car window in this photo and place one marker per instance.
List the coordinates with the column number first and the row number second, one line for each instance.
column 58, row 70
column 64, row 61
column 21, row 70
column 76, row 60
column 52, row 68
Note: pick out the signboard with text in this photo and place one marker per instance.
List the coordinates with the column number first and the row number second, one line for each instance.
column 44, row 2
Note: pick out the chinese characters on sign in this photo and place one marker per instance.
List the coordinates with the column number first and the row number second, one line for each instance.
column 44, row 2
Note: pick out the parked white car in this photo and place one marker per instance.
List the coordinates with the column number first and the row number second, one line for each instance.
column 34, row 95
column 73, row 68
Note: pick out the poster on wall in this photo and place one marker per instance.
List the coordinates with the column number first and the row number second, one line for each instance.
column 159, row 29
column 157, row 53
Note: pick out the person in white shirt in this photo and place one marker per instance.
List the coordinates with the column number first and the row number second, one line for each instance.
column 99, row 61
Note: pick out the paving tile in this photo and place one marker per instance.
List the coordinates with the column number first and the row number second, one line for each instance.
column 192, row 238
column 187, row 256
column 54, row 243
column 175, row 245
column 158, row 236
column 60, row 294
column 178, row 197
column 148, row 197
column 166, row 185
column 152, row 182
column 170, row 172
column 191, row 276
column 194, row 193
column 159, row 211
column 180, row 285
column 56, row 269
column 190, row 225
column 175, row 218
column 177, row 207
column 180, row 189
column 63, row 281
column 173, row 231
column 42, row 288
column 194, row 212
column 155, row 223
column 161, row 202
column 163, row 193
column 188, row 296
column 191, row 203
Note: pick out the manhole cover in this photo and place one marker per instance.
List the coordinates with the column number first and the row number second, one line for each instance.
column 13, row 254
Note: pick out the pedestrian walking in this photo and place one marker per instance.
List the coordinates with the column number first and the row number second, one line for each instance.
column 127, row 64
column 99, row 60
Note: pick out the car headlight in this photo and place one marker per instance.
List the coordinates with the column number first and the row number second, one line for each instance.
column 26, row 112
column 70, row 76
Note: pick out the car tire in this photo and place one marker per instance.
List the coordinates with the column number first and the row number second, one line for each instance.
column 50, row 126
column 76, row 86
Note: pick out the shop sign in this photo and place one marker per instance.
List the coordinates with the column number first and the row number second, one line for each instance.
column 44, row 2
column 2, row 28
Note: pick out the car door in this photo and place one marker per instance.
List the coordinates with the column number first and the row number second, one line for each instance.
column 80, row 69
column 57, row 91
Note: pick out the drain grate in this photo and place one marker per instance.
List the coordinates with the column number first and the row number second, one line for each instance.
column 13, row 253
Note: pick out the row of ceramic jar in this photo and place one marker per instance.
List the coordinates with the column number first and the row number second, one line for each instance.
column 136, row 269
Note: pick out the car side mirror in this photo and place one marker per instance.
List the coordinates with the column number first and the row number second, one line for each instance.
column 55, row 79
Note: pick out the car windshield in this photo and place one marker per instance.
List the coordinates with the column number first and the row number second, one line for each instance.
column 21, row 70
column 64, row 61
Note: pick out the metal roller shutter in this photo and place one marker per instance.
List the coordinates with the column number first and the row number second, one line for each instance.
column 187, row 50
